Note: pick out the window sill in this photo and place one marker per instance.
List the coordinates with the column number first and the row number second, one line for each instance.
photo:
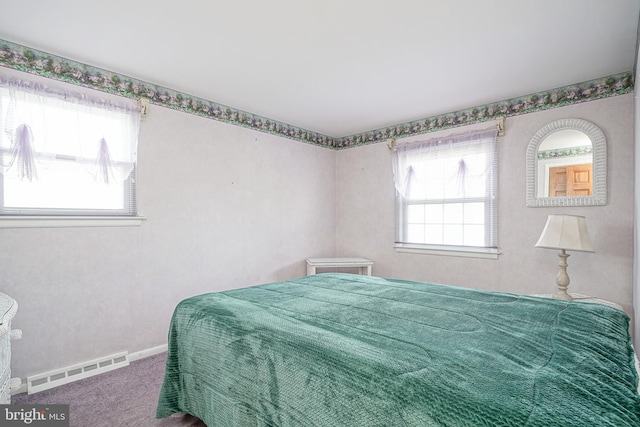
column 69, row 221
column 458, row 251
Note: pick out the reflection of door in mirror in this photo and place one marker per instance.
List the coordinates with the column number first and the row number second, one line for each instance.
column 571, row 180
column 564, row 161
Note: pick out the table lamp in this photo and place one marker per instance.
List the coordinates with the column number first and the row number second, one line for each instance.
column 565, row 232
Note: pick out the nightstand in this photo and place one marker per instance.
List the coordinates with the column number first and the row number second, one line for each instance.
column 585, row 298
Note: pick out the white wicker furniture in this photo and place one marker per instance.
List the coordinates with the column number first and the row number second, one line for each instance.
column 8, row 309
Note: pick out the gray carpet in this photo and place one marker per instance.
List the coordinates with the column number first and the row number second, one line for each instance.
column 121, row 398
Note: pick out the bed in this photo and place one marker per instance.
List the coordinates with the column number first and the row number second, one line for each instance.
column 338, row 349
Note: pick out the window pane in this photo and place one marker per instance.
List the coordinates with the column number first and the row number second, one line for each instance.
column 433, row 234
column 84, row 150
column 474, row 235
column 446, row 188
column 453, row 213
column 434, row 213
column 415, row 233
column 474, row 213
column 415, row 214
column 61, row 185
column 453, row 235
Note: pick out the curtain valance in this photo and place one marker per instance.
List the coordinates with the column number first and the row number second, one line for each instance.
column 41, row 125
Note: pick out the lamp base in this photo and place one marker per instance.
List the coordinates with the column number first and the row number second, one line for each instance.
column 563, row 295
column 562, row 279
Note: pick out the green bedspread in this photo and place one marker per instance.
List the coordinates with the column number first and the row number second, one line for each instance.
column 348, row 350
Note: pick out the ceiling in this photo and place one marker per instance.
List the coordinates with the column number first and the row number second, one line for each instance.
column 338, row 67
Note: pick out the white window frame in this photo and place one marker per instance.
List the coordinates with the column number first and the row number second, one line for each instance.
column 71, row 217
column 490, row 250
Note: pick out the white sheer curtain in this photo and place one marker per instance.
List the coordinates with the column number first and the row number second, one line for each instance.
column 44, row 128
column 459, row 163
column 447, row 190
column 22, row 156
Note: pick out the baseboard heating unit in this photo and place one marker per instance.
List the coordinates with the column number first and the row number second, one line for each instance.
column 77, row 372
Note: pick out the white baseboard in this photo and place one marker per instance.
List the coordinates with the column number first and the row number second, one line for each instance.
column 58, row 377
column 148, row 352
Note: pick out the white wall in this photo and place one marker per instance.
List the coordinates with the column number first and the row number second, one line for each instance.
column 227, row 207
column 230, row 207
column 366, row 215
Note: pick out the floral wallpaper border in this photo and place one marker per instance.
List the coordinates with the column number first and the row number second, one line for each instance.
column 47, row 65
column 51, row 66
column 560, row 153
column 617, row 84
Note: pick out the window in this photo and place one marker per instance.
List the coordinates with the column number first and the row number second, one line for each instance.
column 447, row 193
column 65, row 154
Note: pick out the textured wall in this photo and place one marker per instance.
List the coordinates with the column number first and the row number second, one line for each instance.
column 230, row 207
column 366, row 215
column 226, row 207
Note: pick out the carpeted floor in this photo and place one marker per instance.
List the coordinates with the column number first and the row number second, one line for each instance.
column 121, row 398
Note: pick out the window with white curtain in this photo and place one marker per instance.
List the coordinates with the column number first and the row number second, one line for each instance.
column 447, row 193
column 65, row 153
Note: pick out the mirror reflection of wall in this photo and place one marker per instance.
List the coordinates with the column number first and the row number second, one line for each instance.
column 565, row 165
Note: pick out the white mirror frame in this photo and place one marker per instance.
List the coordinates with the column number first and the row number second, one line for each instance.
column 599, row 152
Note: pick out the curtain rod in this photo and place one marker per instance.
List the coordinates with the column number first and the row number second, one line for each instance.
column 391, row 143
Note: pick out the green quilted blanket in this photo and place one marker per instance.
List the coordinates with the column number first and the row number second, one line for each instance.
column 348, row 350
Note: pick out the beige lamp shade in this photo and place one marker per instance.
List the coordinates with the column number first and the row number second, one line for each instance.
column 567, row 232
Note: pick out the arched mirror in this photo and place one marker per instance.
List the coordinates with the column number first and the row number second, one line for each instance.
column 567, row 165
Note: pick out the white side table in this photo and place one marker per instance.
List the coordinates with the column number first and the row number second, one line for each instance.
column 363, row 264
